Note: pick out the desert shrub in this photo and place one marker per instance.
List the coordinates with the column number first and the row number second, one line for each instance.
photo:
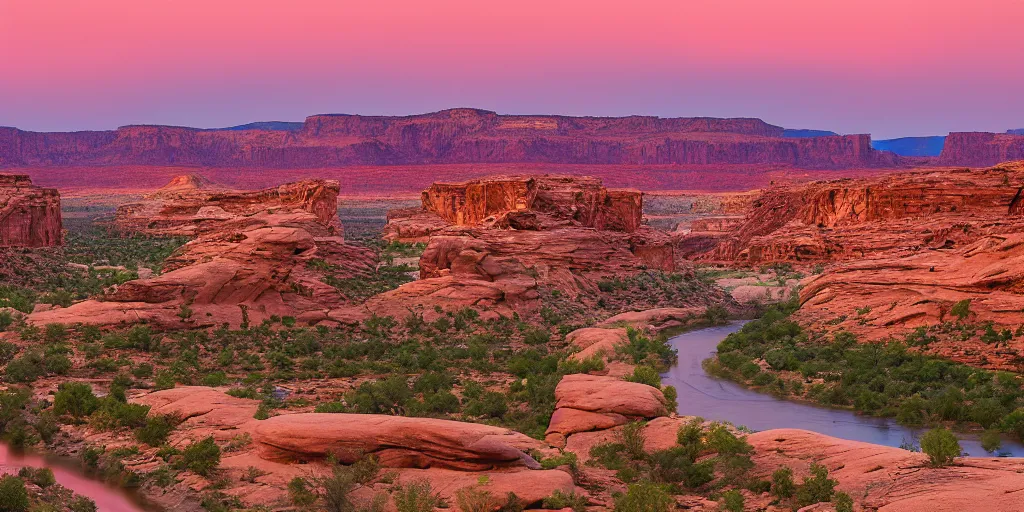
column 301, row 493
column 13, row 495
column 816, row 488
column 75, row 399
column 991, row 440
column 782, row 483
column 82, row 504
column 961, row 309
column 732, row 501
column 42, row 477
column 644, row 497
column 633, row 439
column 491, row 404
column 560, row 500
column 415, row 497
column 645, row 375
column 941, row 446
column 201, row 457
column 157, row 429
column 843, row 502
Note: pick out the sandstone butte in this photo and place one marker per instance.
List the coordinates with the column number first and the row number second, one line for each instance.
column 899, row 251
column 448, row 137
column 29, row 215
column 496, row 241
column 248, row 259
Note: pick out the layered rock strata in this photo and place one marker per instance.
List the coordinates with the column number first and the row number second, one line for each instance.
column 29, row 215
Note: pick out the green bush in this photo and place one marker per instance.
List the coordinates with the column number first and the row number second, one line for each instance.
column 941, row 446
column 75, row 399
column 301, row 492
column 13, row 495
column 991, row 440
column 561, row 500
column 843, row 502
column 817, row 488
column 732, row 501
column 42, row 477
column 157, row 429
column 645, row 375
column 782, row 483
column 202, row 457
column 644, row 497
column 415, row 497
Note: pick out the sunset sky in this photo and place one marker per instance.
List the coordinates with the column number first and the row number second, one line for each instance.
column 886, row 67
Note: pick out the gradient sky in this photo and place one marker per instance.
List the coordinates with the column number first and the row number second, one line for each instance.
column 887, row 67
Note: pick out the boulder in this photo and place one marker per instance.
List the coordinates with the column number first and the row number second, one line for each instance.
column 397, row 441
column 595, row 341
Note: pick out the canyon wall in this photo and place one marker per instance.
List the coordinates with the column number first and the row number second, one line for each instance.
column 981, row 148
column 29, row 215
column 448, row 137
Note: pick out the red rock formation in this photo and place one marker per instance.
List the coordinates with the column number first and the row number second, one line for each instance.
column 29, row 215
column 590, row 402
column 191, row 205
column 450, row 136
column 397, row 441
column 493, row 241
column 981, row 149
column 250, row 260
column 891, row 479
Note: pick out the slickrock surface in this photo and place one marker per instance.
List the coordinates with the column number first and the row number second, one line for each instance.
column 248, row 262
column 397, row 441
column 894, row 480
column 29, row 215
column 450, row 136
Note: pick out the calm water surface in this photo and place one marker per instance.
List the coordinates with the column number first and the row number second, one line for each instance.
column 701, row 394
column 68, row 474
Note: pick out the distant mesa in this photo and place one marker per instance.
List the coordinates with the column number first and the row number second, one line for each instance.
column 1016, row 131
column 981, row 149
column 803, row 133
column 283, row 126
column 912, row 146
column 456, row 136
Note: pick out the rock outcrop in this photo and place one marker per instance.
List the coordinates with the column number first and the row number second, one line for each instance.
column 890, row 479
column 396, row 441
column 493, row 242
column 981, row 149
column 250, row 260
column 590, row 402
column 450, row 136
column 29, row 215
column 901, row 250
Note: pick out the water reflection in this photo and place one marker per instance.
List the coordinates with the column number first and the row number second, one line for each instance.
column 716, row 399
column 107, row 498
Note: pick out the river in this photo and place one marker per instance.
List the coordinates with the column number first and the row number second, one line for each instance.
column 68, row 473
column 701, row 394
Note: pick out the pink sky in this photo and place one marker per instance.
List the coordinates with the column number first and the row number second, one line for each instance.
column 886, row 67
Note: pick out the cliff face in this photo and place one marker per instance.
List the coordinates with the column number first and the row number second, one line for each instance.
column 582, row 199
column 451, row 136
column 191, row 205
column 981, row 149
column 29, row 215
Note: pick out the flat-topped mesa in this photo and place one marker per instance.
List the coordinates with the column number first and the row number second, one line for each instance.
column 29, row 215
column 456, row 136
column 191, row 205
column 580, row 200
column 981, row 148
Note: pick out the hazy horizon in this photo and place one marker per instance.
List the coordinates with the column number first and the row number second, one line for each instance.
column 888, row 68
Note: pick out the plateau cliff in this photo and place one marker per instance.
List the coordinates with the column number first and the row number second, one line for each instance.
column 446, row 137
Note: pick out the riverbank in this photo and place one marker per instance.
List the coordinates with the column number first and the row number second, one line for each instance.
column 701, row 394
